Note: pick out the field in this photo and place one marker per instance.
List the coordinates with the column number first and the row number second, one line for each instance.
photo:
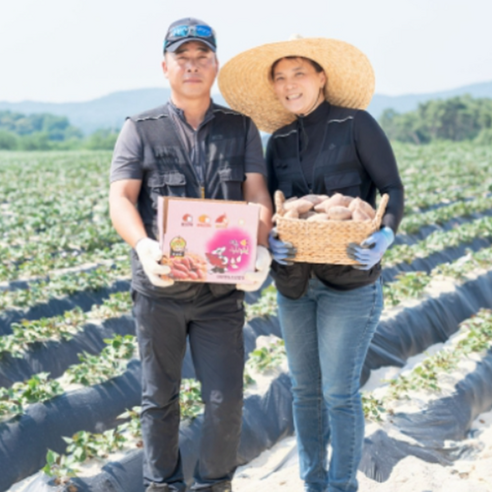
column 69, row 367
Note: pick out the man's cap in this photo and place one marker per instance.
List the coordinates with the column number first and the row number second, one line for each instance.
column 186, row 30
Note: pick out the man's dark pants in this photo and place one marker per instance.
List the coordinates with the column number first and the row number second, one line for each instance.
column 214, row 327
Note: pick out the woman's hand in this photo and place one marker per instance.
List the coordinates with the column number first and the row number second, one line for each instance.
column 281, row 251
column 372, row 249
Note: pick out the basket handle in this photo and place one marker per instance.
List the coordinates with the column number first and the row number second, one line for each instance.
column 279, row 199
column 381, row 209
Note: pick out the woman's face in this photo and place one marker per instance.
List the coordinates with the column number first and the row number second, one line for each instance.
column 297, row 85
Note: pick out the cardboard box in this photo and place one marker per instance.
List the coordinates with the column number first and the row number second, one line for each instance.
column 208, row 240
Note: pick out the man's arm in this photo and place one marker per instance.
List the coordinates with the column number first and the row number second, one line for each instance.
column 126, row 220
column 255, row 191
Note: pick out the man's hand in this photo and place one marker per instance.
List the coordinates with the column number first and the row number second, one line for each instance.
column 282, row 252
column 372, row 249
column 263, row 261
column 149, row 253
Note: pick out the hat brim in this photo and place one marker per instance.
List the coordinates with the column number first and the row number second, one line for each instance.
column 245, row 83
column 176, row 44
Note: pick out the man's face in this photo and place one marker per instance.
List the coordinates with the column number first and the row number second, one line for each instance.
column 191, row 70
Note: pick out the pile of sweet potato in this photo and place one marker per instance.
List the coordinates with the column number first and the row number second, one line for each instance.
column 322, row 207
column 190, row 267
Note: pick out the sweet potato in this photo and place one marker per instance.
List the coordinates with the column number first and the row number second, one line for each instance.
column 357, row 203
column 360, row 215
column 318, row 217
column 292, row 214
column 291, row 199
column 339, row 213
column 178, row 274
column 300, row 206
column 337, row 200
column 315, row 199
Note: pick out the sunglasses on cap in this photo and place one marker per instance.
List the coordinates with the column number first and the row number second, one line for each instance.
column 184, row 31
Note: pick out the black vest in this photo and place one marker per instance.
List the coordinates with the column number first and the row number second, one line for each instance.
column 169, row 172
column 337, row 170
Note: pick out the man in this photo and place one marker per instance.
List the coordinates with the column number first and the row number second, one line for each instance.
column 189, row 147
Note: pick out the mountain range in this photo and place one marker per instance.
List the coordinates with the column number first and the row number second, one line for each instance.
column 110, row 111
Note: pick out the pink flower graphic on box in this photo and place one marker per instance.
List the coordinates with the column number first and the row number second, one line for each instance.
column 229, row 250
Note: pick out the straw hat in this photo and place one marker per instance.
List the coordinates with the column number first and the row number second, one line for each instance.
column 245, row 82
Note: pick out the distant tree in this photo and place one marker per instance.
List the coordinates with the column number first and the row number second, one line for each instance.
column 8, row 140
column 457, row 119
column 35, row 141
column 57, row 128
column 484, row 137
column 44, row 131
column 103, row 139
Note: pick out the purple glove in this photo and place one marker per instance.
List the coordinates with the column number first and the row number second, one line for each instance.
column 372, row 249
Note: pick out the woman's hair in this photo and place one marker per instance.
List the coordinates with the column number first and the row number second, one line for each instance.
column 315, row 65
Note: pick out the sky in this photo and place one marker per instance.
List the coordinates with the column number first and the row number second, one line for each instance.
column 78, row 50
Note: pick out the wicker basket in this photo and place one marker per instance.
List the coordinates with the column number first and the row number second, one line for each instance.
column 327, row 241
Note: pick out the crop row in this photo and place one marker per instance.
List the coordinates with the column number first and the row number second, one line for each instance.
column 62, row 327
column 411, row 224
column 93, row 369
column 407, row 285
column 44, row 263
column 84, row 446
column 64, row 284
column 473, row 337
column 110, row 363
column 439, row 241
column 97, row 244
column 412, row 284
column 441, row 174
column 43, row 190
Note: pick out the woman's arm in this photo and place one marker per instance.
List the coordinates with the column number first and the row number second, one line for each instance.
column 377, row 157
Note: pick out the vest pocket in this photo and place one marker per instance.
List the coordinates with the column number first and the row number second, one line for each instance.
column 347, row 183
column 231, row 182
column 169, row 184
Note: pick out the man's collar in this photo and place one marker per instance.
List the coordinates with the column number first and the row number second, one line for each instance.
column 209, row 114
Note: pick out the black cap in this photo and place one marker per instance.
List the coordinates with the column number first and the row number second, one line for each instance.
column 189, row 29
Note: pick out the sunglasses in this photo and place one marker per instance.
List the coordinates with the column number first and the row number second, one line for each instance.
column 189, row 31
column 186, row 31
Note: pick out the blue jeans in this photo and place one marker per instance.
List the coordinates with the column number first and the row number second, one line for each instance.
column 327, row 333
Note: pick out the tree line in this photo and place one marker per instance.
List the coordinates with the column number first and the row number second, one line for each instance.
column 456, row 119
column 44, row 131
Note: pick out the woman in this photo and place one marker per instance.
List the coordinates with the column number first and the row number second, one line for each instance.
column 309, row 93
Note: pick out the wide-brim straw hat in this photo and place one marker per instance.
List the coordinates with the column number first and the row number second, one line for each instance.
column 245, row 81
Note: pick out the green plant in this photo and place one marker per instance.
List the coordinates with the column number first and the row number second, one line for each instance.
column 86, row 445
column 265, row 306
column 425, row 376
column 267, row 357
column 38, row 388
column 133, row 426
column 190, row 398
column 60, row 467
column 410, row 284
column 110, row 363
column 373, row 408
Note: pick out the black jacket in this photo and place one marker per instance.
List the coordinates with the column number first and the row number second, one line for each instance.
column 337, row 167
